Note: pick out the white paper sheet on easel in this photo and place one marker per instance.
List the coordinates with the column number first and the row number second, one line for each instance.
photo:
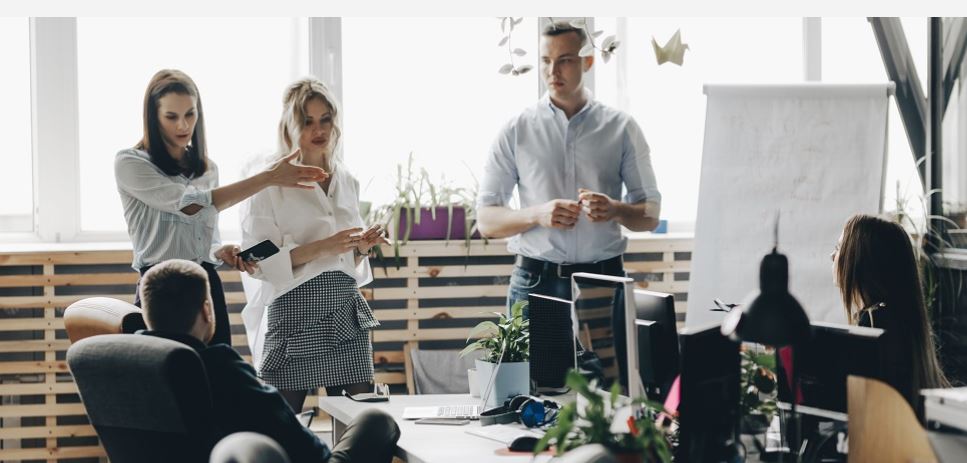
column 815, row 153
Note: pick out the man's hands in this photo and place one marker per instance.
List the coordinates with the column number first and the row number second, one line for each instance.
column 563, row 214
column 598, row 207
column 229, row 255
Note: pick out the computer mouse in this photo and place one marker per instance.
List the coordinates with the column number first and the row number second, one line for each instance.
column 523, row 444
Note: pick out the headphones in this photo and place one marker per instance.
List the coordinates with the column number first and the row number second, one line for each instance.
column 529, row 410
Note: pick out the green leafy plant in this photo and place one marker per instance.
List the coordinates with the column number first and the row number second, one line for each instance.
column 592, row 424
column 757, row 403
column 414, row 192
column 510, row 335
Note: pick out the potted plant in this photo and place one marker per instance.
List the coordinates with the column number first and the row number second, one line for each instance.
column 592, row 419
column 504, row 371
column 757, row 402
column 424, row 210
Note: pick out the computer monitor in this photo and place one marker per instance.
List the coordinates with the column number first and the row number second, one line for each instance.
column 552, row 345
column 709, row 403
column 657, row 332
column 605, row 324
column 832, row 353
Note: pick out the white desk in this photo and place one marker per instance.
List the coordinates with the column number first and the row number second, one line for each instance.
column 423, row 443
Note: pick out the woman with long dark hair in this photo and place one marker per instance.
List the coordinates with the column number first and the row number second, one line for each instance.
column 170, row 193
column 879, row 280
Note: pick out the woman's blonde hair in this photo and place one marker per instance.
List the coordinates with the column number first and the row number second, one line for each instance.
column 293, row 118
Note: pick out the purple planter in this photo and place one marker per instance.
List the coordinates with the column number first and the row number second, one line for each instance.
column 429, row 229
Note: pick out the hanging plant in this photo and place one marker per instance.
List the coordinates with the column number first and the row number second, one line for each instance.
column 507, row 25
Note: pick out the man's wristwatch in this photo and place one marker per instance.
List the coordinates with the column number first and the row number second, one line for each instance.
column 356, row 253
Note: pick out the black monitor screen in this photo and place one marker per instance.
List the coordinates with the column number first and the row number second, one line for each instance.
column 657, row 341
column 823, row 363
column 710, row 373
column 552, row 350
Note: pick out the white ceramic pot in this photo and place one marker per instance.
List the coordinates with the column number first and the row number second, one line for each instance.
column 511, row 379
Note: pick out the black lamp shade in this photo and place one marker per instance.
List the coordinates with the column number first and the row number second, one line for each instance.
column 772, row 316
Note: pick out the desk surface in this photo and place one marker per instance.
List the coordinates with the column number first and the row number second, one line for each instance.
column 421, row 443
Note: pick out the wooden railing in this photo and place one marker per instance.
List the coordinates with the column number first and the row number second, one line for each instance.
column 430, row 301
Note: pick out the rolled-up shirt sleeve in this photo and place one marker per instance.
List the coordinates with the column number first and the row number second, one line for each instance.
column 636, row 171
column 141, row 179
column 258, row 224
column 500, row 172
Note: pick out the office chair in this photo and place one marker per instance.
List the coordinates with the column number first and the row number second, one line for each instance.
column 882, row 426
column 148, row 398
column 101, row 315
column 248, row 447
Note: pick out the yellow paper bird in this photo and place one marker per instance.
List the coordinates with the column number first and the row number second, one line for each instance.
column 673, row 51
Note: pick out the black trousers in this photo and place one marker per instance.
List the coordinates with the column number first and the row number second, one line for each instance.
column 370, row 438
column 223, row 327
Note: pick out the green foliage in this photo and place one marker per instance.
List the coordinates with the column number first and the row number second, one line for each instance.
column 592, row 425
column 757, row 402
column 415, row 191
column 510, row 335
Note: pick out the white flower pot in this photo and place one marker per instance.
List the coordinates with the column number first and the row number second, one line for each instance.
column 512, row 379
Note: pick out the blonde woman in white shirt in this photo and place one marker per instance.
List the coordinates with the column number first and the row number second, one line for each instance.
column 316, row 329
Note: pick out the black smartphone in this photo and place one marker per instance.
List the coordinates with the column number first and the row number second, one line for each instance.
column 260, row 251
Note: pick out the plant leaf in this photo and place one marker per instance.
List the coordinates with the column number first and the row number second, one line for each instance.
column 517, row 21
column 519, row 52
column 525, row 68
column 578, row 22
column 503, row 41
column 605, row 56
column 607, row 42
column 503, row 24
column 484, row 328
column 587, row 50
column 505, row 69
column 597, row 34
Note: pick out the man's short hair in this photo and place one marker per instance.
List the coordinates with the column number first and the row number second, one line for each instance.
column 172, row 294
column 563, row 27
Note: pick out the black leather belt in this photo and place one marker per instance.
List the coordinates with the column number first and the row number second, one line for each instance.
column 612, row 266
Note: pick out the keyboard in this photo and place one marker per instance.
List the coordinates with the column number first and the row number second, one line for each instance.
column 458, row 411
column 467, row 412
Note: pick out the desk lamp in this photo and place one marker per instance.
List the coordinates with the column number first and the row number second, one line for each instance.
column 773, row 317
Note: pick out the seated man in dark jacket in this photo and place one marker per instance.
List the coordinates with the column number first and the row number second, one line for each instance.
column 177, row 306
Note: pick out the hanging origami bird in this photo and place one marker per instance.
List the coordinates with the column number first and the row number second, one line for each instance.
column 673, row 51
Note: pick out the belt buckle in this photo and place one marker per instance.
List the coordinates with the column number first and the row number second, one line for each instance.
column 559, row 267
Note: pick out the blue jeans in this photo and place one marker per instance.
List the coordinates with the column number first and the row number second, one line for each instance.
column 524, row 282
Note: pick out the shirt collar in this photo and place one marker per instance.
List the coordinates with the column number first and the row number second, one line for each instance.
column 183, row 338
column 546, row 102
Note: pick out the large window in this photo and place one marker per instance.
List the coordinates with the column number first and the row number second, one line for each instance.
column 241, row 67
column 430, row 87
column 850, row 55
column 16, row 208
column 667, row 101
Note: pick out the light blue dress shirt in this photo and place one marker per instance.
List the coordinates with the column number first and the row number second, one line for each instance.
column 546, row 156
column 152, row 202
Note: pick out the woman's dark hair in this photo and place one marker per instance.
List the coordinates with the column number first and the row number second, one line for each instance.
column 164, row 82
column 876, row 264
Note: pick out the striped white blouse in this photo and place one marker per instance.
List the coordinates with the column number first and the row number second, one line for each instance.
column 152, row 202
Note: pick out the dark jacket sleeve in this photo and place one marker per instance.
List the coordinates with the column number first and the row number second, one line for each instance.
column 242, row 403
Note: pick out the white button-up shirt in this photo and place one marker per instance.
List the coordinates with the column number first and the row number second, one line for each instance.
column 152, row 202
column 547, row 156
column 291, row 217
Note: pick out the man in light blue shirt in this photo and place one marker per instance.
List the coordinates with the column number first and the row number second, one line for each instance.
column 568, row 156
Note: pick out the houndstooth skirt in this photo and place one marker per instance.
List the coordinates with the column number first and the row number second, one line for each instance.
column 318, row 336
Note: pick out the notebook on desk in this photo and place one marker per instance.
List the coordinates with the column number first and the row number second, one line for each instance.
column 466, row 412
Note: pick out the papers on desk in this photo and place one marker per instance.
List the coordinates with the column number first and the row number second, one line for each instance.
column 946, row 406
column 503, row 433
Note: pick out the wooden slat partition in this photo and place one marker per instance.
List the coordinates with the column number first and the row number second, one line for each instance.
column 430, row 301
